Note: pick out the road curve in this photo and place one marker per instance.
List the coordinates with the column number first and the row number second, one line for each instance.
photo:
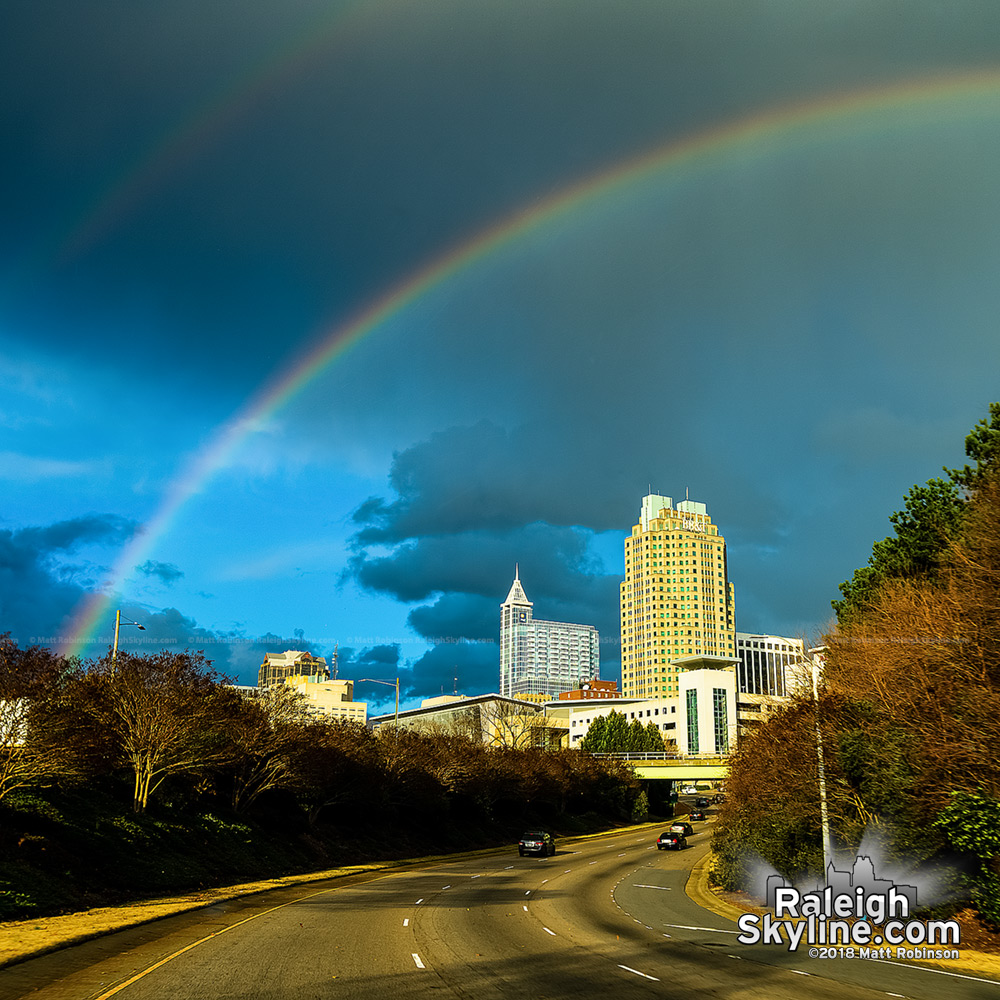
column 604, row 915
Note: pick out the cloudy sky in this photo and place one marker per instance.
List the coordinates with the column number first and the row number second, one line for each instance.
column 317, row 316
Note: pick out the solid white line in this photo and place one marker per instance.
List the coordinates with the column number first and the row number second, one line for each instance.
column 938, row 972
column 798, row 972
column 640, row 885
column 406, row 922
column 638, row 973
column 547, row 931
column 416, row 958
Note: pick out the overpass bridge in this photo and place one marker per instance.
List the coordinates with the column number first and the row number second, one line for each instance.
column 650, row 765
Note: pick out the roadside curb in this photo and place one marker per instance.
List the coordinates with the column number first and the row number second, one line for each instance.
column 699, row 892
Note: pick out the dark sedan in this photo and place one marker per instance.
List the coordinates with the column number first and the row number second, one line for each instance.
column 671, row 841
column 536, row 842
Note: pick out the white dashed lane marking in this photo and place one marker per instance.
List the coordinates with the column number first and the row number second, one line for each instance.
column 713, row 930
column 638, row 973
column 416, row 959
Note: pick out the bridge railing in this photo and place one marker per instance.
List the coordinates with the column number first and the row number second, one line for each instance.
column 692, row 758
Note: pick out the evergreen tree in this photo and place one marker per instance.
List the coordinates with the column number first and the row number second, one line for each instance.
column 931, row 519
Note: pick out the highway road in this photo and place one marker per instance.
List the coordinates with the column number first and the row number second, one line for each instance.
column 606, row 916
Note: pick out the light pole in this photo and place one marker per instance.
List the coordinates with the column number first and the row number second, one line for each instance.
column 395, row 684
column 814, row 656
column 119, row 621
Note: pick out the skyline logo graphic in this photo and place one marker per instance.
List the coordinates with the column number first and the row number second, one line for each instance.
column 855, row 915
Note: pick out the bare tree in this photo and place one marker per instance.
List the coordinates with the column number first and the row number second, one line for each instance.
column 264, row 732
column 504, row 724
column 34, row 743
column 164, row 713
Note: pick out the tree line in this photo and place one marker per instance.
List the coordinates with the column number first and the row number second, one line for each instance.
column 909, row 710
column 167, row 723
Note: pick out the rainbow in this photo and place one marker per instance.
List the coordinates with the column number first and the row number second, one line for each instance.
column 180, row 143
column 678, row 158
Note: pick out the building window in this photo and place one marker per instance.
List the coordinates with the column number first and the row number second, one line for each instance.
column 720, row 717
column 692, row 720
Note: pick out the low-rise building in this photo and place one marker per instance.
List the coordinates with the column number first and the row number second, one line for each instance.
column 330, row 698
column 592, row 690
column 492, row 718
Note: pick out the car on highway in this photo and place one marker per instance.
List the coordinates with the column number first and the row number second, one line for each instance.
column 688, row 790
column 685, row 828
column 536, row 842
column 701, row 802
column 671, row 840
column 697, row 815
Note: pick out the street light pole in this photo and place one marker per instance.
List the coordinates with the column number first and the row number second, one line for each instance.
column 118, row 624
column 823, row 813
column 374, row 680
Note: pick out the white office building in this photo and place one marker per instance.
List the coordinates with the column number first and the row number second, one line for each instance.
column 540, row 657
column 765, row 662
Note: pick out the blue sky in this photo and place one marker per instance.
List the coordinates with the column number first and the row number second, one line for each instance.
column 796, row 325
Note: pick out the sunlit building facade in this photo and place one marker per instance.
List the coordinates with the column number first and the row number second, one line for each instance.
column 279, row 667
column 764, row 662
column 541, row 657
column 676, row 598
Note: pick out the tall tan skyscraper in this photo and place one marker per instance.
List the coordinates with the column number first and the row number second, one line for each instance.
column 676, row 598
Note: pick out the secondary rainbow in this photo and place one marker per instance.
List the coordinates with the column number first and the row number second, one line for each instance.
column 818, row 118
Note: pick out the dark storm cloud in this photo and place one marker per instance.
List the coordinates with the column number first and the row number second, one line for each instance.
column 169, row 629
column 455, row 616
column 355, row 663
column 232, row 653
column 455, row 531
column 382, row 132
column 381, row 663
column 166, row 573
column 463, row 478
column 43, row 577
column 468, row 668
column 479, row 562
